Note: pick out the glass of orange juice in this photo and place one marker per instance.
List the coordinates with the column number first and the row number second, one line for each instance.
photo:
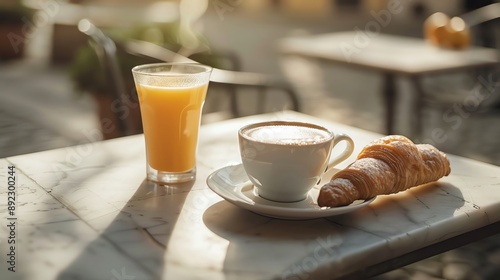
column 171, row 97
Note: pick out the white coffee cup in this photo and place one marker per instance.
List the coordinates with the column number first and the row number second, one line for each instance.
column 285, row 159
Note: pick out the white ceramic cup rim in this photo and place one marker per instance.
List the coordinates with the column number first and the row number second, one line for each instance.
column 242, row 130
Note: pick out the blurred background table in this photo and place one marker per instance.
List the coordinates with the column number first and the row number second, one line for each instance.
column 391, row 56
column 87, row 212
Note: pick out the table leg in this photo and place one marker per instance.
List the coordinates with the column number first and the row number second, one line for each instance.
column 389, row 92
column 416, row 114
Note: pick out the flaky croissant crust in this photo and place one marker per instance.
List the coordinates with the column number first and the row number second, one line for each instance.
column 388, row 165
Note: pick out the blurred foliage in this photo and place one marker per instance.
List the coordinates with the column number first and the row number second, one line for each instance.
column 89, row 76
column 15, row 14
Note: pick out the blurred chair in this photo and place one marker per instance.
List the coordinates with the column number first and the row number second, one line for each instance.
column 480, row 16
column 236, row 84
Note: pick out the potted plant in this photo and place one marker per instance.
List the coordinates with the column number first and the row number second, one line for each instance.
column 13, row 16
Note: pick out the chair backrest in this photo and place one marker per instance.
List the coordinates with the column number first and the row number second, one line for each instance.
column 482, row 21
column 483, row 14
column 230, row 79
column 106, row 53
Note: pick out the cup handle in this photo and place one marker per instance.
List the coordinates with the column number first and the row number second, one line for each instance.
column 347, row 151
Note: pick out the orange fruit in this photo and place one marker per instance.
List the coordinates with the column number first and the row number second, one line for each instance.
column 457, row 34
column 435, row 28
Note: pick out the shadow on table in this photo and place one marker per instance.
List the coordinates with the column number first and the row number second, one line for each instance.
column 398, row 223
column 138, row 235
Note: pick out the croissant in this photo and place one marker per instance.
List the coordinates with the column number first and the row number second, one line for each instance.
column 388, row 165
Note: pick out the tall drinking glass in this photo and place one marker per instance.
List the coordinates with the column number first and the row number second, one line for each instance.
column 171, row 97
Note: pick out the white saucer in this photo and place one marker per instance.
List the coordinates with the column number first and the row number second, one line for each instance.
column 232, row 184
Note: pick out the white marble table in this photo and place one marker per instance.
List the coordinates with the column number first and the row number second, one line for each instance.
column 87, row 212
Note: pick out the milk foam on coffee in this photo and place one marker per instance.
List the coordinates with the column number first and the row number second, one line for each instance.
column 287, row 135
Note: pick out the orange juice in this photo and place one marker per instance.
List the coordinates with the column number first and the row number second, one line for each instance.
column 171, row 118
